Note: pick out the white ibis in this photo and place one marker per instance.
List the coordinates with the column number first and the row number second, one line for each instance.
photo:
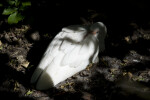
column 70, row 52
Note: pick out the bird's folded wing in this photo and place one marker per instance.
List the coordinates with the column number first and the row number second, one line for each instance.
column 67, row 40
column 48, row 56
column 63, row 42
column 71, row 56
column 75, row 33
column 72, row 44
column 81, row 52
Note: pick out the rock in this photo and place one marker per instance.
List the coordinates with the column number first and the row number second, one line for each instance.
column 25, row 64
column 35, row 36
column 87, row 96
column 20, row 59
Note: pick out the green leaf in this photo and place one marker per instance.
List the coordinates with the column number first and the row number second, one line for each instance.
column 27, row 3
column 11, row 2
column 17, row 2
column 29, row 92
column 9, row 11
column 15, row 18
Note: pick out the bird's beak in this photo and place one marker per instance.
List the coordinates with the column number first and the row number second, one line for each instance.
column 94, row 32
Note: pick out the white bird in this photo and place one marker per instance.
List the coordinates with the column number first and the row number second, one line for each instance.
column 70, row 52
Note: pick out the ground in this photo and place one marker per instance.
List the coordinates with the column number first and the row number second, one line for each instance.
column 122, row 73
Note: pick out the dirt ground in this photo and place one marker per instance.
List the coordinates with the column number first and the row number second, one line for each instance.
column 123, row 71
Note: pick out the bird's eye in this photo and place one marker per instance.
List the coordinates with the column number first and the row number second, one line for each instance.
column 97, row 32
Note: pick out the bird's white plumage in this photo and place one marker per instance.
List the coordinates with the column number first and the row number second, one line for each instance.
column 70, row 52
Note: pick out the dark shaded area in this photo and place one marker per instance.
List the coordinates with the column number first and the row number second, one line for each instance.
column 4, row 67
column 49, row 17
column 7, row 73
column 7, row 95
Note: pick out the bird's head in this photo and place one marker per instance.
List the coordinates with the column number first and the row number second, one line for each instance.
column 99, row 30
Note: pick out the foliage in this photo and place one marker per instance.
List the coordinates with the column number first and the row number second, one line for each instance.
column 1, row 5
column 14, row 9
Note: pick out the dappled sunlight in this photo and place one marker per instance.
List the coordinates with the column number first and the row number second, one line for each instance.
column 70, row 52
column 72, row 67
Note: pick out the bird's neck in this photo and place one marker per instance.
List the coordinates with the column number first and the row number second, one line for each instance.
column 86, row 35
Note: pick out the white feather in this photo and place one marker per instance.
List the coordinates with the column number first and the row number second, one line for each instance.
column 69, row 53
